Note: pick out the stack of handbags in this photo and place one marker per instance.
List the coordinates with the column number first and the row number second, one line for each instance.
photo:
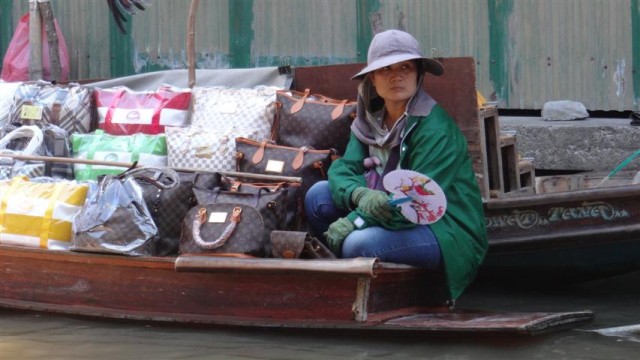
column 221, row 114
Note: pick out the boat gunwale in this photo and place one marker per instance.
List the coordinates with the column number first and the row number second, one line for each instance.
column 563, row 196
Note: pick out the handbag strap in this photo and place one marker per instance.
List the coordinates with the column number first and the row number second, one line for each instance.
column 201, row 218
column 96, row 139
column 56, row 106
column 141, row 173
column 45, row 229
column 259, row 155
column 4, row 196
column 299, row 104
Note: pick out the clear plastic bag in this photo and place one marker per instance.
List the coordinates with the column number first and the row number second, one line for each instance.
column 115, row 219
column 15, row 66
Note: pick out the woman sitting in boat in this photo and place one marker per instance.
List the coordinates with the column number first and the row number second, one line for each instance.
column 399, row 126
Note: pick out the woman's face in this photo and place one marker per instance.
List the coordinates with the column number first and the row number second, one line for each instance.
column 397, row 82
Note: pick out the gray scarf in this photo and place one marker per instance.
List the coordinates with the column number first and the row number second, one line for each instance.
column 368, row 125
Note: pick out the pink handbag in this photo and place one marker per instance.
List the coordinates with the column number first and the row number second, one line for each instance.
column 123, row 111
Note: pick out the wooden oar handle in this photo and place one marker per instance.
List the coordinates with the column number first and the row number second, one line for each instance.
column 66, row 160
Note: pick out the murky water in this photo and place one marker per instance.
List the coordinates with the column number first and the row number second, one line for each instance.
column 616, row 302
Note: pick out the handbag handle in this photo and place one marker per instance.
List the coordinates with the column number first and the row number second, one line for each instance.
column 137, row 173
column 28, row 131
column 297, row 106
column 201, row 218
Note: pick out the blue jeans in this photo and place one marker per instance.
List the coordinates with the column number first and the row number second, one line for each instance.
column 416, row 246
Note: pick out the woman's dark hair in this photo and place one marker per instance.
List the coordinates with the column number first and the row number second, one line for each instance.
column 419, row 66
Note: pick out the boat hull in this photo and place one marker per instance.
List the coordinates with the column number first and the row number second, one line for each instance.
column 358, row 294
column 574, row 235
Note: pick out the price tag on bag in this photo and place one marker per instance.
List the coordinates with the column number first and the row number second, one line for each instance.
column 31, row 112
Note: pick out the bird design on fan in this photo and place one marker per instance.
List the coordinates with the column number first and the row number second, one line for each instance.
column 420, row 198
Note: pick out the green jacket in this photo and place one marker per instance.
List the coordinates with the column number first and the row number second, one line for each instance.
column 433, row 145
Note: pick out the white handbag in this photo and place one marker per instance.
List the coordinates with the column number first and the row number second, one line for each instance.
column 10, row 167
column 224, row 108
column 196, row 147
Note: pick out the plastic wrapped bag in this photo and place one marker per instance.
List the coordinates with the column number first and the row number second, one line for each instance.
column 15, row 66
column 115, row 218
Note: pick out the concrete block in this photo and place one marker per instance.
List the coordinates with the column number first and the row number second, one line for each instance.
column 598, row 144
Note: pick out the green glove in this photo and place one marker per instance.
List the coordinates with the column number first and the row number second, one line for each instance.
column 338, row 231
column 372, row 202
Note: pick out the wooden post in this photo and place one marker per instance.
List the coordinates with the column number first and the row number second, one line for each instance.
column 35, row 41
column 191, row 39
column 52, row 38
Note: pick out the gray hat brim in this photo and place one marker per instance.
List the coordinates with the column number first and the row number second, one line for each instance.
column 431, row 66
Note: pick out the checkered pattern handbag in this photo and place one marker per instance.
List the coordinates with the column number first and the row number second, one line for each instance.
column 67, row 106
column 221, row 108
column 201, row 148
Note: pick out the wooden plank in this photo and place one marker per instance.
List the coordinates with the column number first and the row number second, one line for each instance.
column 492, row 155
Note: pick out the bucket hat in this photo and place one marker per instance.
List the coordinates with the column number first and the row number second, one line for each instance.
column 394, row 46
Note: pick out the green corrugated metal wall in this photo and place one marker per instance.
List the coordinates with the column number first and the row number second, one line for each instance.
column 527, row 52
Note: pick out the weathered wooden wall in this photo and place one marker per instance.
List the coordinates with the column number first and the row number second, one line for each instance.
column 527, row 52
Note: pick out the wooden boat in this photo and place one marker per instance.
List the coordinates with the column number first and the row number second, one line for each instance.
column 583, row 232
column 569, row 230
column 344, row 294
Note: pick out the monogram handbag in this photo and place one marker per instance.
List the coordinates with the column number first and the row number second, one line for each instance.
column 317, row 121
column 294, row 219
column 169, row 205
column 70, row 107
column 271, row 204
column 115, row 218
column 298, row 244
column 223, row 228
column 262, row 157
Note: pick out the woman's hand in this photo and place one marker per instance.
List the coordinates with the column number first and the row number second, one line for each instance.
column 372, row 202
column 337, row 232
